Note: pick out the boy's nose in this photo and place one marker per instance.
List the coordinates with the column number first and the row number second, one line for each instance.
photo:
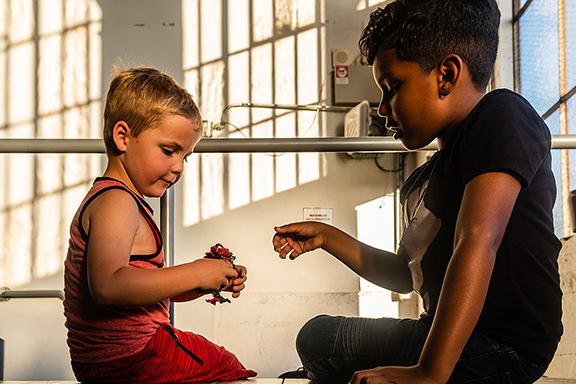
column 383, row 108
column 178, row 167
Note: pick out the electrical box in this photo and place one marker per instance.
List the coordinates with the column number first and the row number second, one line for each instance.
column 355, row 83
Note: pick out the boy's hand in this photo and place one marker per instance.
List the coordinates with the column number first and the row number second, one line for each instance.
column 292, row 240
column 213, row 274
column 238, row 284
column 393, row 375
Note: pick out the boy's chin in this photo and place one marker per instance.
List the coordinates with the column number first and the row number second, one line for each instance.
column 413, row 145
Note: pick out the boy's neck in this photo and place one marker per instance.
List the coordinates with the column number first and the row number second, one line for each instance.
column 462, row 103
column 116, row 170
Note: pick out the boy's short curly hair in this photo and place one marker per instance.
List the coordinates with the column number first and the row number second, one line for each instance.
column 142, row 97
column 426, row 31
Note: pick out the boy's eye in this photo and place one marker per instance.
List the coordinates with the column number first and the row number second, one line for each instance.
column 392, row 91
column 167, row 152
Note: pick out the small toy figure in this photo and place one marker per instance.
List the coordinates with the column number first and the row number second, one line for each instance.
column 218, row 251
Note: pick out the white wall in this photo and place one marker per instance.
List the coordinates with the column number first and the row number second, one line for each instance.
column 564, row 363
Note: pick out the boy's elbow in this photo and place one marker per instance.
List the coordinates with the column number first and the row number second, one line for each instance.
column 103, row 297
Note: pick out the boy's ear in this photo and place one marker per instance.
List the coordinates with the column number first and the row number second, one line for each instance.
column 120, row 133
column 450, row 73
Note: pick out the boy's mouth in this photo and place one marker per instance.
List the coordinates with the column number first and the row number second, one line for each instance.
column 168, row 183
column 394, row 130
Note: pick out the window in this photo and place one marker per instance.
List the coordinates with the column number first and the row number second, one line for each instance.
column 545, row 61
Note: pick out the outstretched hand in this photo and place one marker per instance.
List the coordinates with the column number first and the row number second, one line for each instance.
column 292, row 240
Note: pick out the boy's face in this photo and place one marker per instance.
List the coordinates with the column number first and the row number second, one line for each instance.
column 410, row 100
column 155, row 159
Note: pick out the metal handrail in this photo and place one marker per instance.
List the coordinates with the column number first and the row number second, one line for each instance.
column 383, row 144
column 7, row 294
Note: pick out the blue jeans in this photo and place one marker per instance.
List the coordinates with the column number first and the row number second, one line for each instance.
column 332, row 348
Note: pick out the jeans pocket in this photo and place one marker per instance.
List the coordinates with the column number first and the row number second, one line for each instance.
column 172, row 333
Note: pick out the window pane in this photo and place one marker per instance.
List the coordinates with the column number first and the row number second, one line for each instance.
column 554, row 124
column 572, row 153
column 539, row 54
column 570, row 7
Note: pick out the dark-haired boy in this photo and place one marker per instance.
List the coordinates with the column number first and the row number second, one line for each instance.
column 478, row 242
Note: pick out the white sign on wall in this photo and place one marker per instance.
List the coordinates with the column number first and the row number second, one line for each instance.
column 325, row 215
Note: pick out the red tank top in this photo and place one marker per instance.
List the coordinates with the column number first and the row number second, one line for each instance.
column 95, row 333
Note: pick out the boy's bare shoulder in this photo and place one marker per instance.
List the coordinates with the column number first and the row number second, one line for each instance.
column 112, row 205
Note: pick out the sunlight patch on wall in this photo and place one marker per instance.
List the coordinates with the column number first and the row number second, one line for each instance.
column 308, row 163
column 48, row 260
column 286, row 15
column 211, row 34
column 285, row 164
column 21, row 26
column 262, row 19
column 191, row 193
column 40, row 193
column 292, row 14
column 21, row 169
column 238, row 25
column 21, row 83
column 211, row 187
column 17, row 268
column 284, row 71
column 3, row 83
column 75, row 66
column 262, row 166
column 49, row 75
column 363, row 4
column 238, row 90
column 50, row 17
column 76, row 121
column 50, row 166
column 192, row 84
column 261, row 81
column 212, row 101
column 307, row 56
column 190, row 34
column 238, row 177
column 306, row 12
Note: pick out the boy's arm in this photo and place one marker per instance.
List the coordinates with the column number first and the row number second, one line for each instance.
column 114, row 222
column 486, row 208
column 383, row 268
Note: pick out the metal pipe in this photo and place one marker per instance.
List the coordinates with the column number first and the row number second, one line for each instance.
column 2, row 348
column 382, row 144
column 288, row 107
column 8, row 294
column 167, row 231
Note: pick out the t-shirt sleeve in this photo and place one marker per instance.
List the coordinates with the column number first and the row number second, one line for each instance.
column 504, row 135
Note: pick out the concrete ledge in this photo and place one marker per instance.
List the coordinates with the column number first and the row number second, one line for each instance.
column 544, row 380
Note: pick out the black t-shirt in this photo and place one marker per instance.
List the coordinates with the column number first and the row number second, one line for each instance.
column 523, row 306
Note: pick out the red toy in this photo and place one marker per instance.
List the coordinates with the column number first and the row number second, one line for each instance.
column 218, row 251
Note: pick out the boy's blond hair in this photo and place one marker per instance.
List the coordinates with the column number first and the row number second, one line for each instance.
column 142, row 97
